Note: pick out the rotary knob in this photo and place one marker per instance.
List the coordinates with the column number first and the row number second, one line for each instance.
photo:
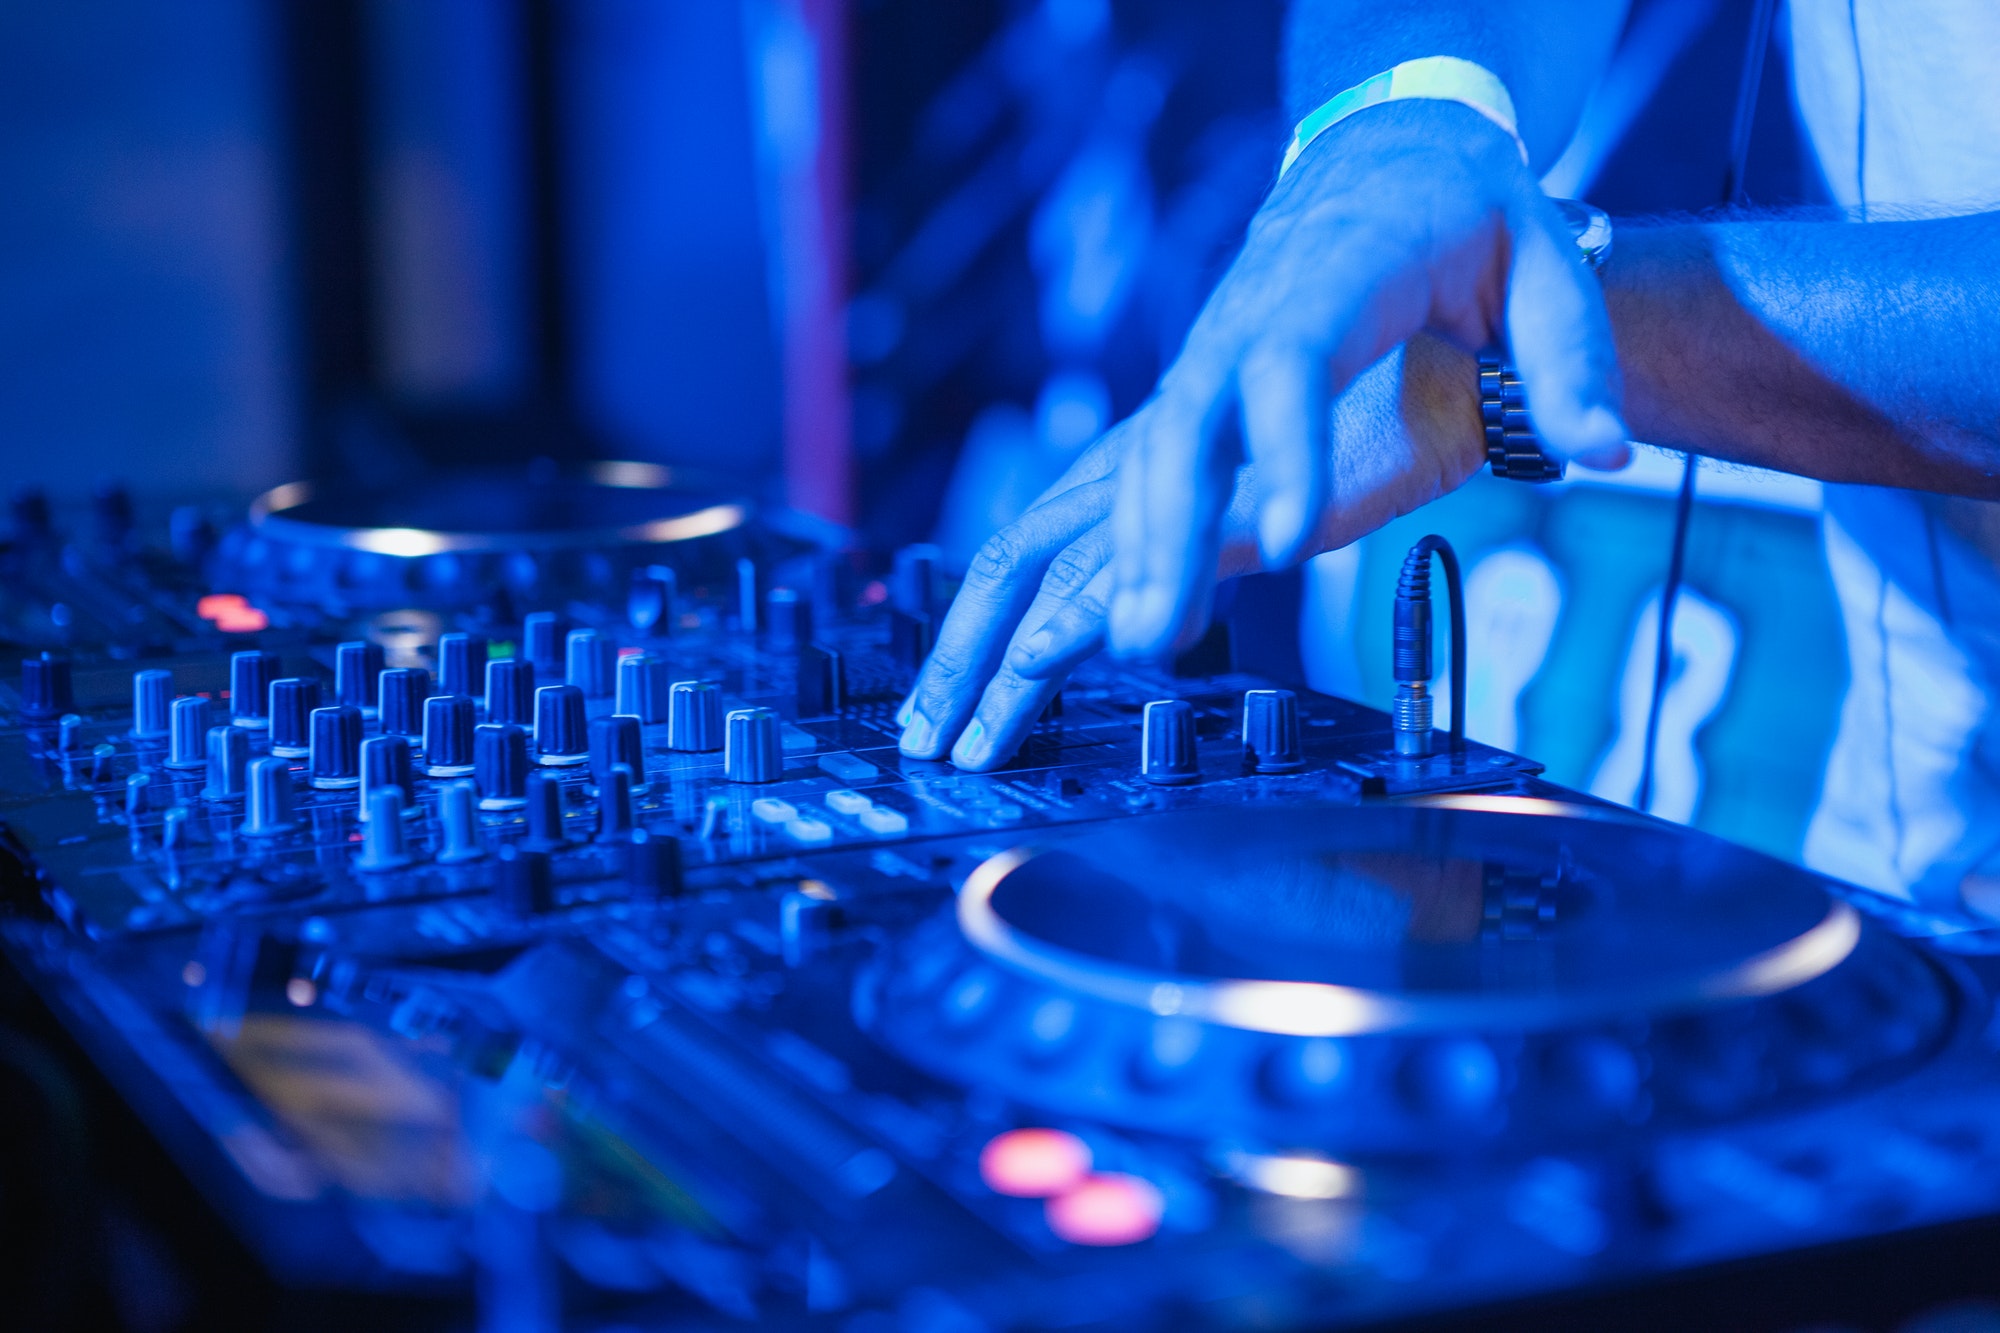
column 1166, row 744
column 268, row 811
column 751, row 752
column 500, row 766
column 402, row 691
column 649, row 602
column 461, row 664
column 291, row 707
column 385, row 765
column 545, row 812
column 448, row 723
column 187, row 742
column 541, row 641
column 590, row 663
column 617, row 740
column 694, row 717
column 1271, row 731
column 152, row 703
column 334, row 761
column 357, row 667
column 642, row 688
column 250, row 677
column 559, row 725
column 228, row 763
column 510, row 691
column 46, row 692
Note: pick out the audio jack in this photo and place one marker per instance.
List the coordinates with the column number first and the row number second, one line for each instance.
column 1411, row 715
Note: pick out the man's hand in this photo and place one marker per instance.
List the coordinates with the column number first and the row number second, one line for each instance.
column 1408, row 217
column 1035, row 600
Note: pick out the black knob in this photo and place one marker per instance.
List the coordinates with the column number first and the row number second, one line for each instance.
column 187, row 740
column 461, row 664
column 111, row 507
column 545, row 812
column 385, row 762
column 913, row 585
column 250, row 677
column 653, row 865
column 614, row 805
column 1166, row 745
column 500, row 765
column 751, row 751
column 694, row 717
column 559, row 725
column 448, row 723
column 190, row 535
column 46, row 692
column 357, row 667
column 523, row 881
column 590, row 663
column 616, row 740
column 510, row 691
column 290, row 711
column 228, row 763
column 402, row 691
column 541, row 642
column 788, row 619
column 642, row 687
column 1271, row 731
column 335, row 758
column 152, row 704
column 649, row 602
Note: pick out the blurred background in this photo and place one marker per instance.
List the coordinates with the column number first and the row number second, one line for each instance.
column 890, row 262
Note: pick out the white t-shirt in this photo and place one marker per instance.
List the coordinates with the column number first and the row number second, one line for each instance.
column 1901, row 100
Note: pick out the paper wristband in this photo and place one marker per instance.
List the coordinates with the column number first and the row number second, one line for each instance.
column 1431, row 78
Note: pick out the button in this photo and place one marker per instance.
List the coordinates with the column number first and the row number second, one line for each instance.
column 461, row 664
column 335, row 759
column 385, row 762
column 847, row 802
column 560, row 737
column 643, row 687
column 617, row 740
column 250, row 677
column 46, row 692
column 449, row 720
column 807, row 829
column 884, row 822
column 188, row 725
column 1271, row 731
column 268, row 812
column 228, row 763
column 751, row 752
column 401, row 692
column 694, row 717
column 1166, row 745
column 290, row 712
column 510, row 691
column 152, row 700
column 590, row 663
column 357, row 668
column 773, row 811
column 500, row 765
column 847, row 767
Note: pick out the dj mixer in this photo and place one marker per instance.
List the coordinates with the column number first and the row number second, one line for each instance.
column 495, row 915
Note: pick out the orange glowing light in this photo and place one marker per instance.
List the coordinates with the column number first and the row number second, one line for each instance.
column 1106, row 1209
column 218, row 604
column 1033, row 1163
column 231, row 613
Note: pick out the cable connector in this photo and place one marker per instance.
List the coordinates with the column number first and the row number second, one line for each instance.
column 1410, row 718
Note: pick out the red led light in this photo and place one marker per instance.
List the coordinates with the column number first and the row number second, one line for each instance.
column 1033, row 1163
column 219, row 604
column 231, row 613
column 1106, row 1209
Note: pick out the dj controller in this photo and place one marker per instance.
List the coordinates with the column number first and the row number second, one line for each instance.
column 515, row 909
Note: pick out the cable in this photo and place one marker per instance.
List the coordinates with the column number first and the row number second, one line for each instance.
column 1413, row 658
column 1748, row 81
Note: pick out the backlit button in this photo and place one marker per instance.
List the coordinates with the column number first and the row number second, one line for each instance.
column 847, row 802
column 807, row 829
column 885, row 822
column 1033, row 1163
column 1107, row 1209
column 773, row 811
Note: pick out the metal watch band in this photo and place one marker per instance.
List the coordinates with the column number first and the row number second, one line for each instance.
column 1512, row 447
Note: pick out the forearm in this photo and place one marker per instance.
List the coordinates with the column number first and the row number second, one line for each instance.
column 1547, row 52
column 1848, row 352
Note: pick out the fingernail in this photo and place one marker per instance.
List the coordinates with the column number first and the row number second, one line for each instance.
column 1034, row 646
column 918, row 736
column 1138, row 621
column 970, row 752
column 1601, row 428
column 1278, row 527
column 906, row 712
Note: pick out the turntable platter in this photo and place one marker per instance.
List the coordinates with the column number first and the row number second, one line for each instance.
column 1353, row 976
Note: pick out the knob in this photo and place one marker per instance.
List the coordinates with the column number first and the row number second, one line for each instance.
column 617, row 740
column 334, row 761
column 788, row 620
column 913, row 585
column 111, row 508
column 541, row 642
column 510, row 691
column 642, row 687
column 138, row 797
column 461, row 664
column 559, row 730
column 590, row 663
column 459, row 821
column 614, row 805
column 357, row 667
column 1271, row 731
column 189, row 534
column 653, row 865
column 747, row 599
column 268, row 809
column 46, row 692
column 103, row 762
column 522, row 882
column 250, row 677
column 751, row 752
column 385, row 762
column 545, row 812
column 448, row 723
column 187, row 733
column 290, row 711
column 649, row 601
column 1166, row 745
column 152, row 701
column 228, row 763
column 500, row 766
column 33, row 523
column 383, row 846
column 402, row 691
column 694, row 717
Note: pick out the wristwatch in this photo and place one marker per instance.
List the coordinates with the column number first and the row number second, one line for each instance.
column 1512, row 447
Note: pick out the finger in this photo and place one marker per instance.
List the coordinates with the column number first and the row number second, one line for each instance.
column 1085, row 562
column 1559, row 337
column 1167, row 496
column 999, row 584
column 1283, row 391
column 1014, row 700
